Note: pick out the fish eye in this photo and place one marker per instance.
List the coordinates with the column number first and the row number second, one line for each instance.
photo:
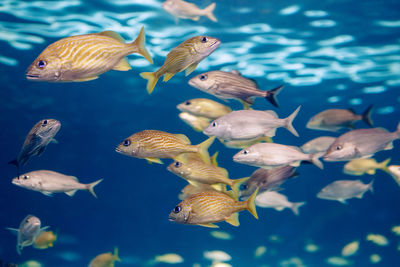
column 214, row 124
column 26, row 177
column 127, row 142
column 244, row 186
column 177, row 164
column 44, row 123
column 41, row 64
column 203, row 77
column 245, row 152
column 187, row 103
column 338, row 147
column 177, row 209
column 204, row 39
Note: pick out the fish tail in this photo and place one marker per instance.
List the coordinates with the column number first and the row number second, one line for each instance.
column 139, row 43
column 251, row 204
column 208, row 11
column 152, row 78
column 315, row 159
column 116, row 257
column 370, row 186
column 271, row 95
column 384, row 165
column 366, row 116
column 289, row 121
column 236, row 186
column 203, row 149
column 16, row 164
column 295, row 207
column 90, row 187
column 398, row 130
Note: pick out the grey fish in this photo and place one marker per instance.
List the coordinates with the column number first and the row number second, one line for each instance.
column 249, row 124
column 267, row 180
column 319, row 144
column 362, row 143
column 336, row 119
column 49, row 182
column 344, row 189
column 28, row 231
column 186, row 10
column 271, row 155
column 36, row 141
column 277, row 201
column 232, row 85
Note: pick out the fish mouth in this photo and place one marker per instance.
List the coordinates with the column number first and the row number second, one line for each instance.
column 171, row 219
column 217, row 43
column 32, row 76
column 118, row 150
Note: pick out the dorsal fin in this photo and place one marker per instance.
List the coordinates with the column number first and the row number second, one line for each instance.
column 113, row 35
column 183, row 138
column 214, row 159
column 74, row 178
column 236, row 72
column 351, row 110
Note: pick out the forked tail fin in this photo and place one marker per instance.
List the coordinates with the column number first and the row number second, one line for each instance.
column 140, row 45
column 251, row 204
column 366, row 116
column 90, row 187
column 271, row 95
column 208, row 11
column 151, row 78
column 289, row 121
column 203, row 149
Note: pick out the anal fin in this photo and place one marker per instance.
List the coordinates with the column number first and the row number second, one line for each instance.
column 123, row 65
column 233, row 219
column 154, row 160
column 210, row 225
column 191, row 68
column 71, row 193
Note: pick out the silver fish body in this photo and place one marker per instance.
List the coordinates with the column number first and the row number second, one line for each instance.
column 49, row 182
column 186, row 10
column 344, row 189
column 319, row 144
column 278, row 201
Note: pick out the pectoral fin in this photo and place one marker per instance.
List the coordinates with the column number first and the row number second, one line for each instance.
column 71, row 193
column 191, row 68
column 154, row 160
column 54, row 141
column 371, row 172
column 123, row 65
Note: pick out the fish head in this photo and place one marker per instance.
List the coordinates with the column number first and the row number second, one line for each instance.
column 26, row 181
column 129, row 147
column 48, row 128
column 169, row 6
column 189, row 106
column 341, row 152
column 180, row 213
column 179, row 168
column 219, row 128
column 248, row 156
column 394, row 170
column 45, row 68
column 30, row 225
column 203, row 45
column 314, row 122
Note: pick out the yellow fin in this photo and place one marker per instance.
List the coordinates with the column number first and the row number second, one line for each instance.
column 123, row 65
column 196, row 18
column 217, row 187
column 245, row 104
column 236, row 185
column 116, row 257
column 139, row 44
column 191, row 68
column 196, row 184
column 267, row 139
column 183, row 138
column 203, row 149
column 113, row 35
column 251, row 205
column 371, row 172
column 384, row 165
column 86, row 79
column 214, row 159
column 233, row 219
column 168, row 76
column 151, row 78
column 51, row 244
column 154, row 160
column 211, row 225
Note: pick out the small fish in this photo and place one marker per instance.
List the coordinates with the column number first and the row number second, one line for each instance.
column 336, row 119
column 378, row 239
column 221, row 235
column 394, row 171
column 277, row 201
column 196, row 172
column 342, row 190
column 28, row 231
column 338, row 261
column 249, row 124
column 375, row 258
column 84, row 57
column 49, row 182
column 260, row 251
column 232, row 85
column 362, row 143
column 267, row 180
column 185, row 56
column 350, row 249
column 204, row 107
column 153, row 145
column 311, row 247
column 105, row 259
column 196, row 122
column 171, row 258
column 191, row 189
column 185, row 10
column 45, row 240
column 319, row 144
column 36, row 141
column 207, row 208
column 31, row 263
column 396, row 230
column 362, row 166
column 242, row 144
column 272, row 155
column 217, row 255
column 219, row 264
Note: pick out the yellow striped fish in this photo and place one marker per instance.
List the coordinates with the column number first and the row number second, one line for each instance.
column 153, row 145
column 185, row 56
column 210, row 207
column 196, row 172
column 189, row 190
column 84, row 57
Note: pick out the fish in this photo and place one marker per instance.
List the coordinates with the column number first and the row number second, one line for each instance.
column 45, row 240
column 190, row 189
column 260, row 251
column 249, row 124
column 375, row 258
column 36, row 141
column 49, row 182
column 204, row 107
column 351, row 248
column 363, row 166
column 171, row 258
column 84, row 57
column 153, row 145
column 272, row 155
column 378, row 239
column 216, row 255
column 267, row 180
column 338, row 261
column 186, row 56
column 394, row 171
column 29, row 229
column 219, row 264
column 232, row 85
column 221, row 235
column 277, row 201
column 319, row 144
column 341, row 190
column 105, row 259
column 396, row 230
column 185, row 10
column 31, row 263
column 241, row 144
column 362, row 143
column 335, row 119
column 207, row 208
column 311, row 247
column 196, row 122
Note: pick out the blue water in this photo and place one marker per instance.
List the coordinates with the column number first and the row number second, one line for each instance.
column 329, row 54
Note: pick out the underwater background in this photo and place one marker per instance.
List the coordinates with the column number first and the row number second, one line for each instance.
column 328, row 54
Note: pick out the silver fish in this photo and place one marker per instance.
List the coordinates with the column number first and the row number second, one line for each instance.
column 232, row 85
column 36, row 141
column 186, row 10
column 28, row 231
column 336, row 119
column 271, row 155
column 319, row 144
column 362, row 143
column 49, row 182
column 249, row 124
column 267, row 180
column 275, row 200
column 344, row 189
column 394, row 171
